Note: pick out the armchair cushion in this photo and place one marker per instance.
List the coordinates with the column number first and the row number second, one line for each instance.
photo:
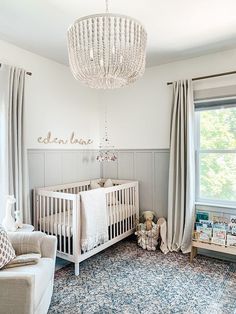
column 7, row 252
column 26, row 242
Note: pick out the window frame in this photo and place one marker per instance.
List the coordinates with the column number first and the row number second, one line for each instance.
column 198, row 151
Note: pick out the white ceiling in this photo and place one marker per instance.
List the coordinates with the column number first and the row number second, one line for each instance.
column 177, row 29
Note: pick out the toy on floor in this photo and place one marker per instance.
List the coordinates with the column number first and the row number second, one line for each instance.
column 148, row 232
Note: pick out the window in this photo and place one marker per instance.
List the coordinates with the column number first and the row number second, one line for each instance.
column 216, row 153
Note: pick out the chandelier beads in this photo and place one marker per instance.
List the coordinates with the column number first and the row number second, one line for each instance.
column 107, row 50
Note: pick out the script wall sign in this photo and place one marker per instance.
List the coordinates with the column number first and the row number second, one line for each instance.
column 72, row 139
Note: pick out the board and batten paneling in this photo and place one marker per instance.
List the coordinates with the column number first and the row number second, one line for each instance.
column 49, row 167
column 144, row 175
column 151, row 169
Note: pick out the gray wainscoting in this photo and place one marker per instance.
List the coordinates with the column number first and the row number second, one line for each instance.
column 149, row 167
column 51, row 167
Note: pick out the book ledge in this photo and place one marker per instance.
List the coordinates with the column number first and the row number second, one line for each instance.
column 215, row 232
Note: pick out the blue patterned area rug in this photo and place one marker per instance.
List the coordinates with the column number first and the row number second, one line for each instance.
column 126, row 279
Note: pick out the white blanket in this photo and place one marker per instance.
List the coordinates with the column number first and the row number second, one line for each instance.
column 94, row 219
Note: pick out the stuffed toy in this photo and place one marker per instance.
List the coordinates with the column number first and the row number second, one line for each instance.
column 149, row 216
column 8, row 221
column 148, row 231
column 18, row 222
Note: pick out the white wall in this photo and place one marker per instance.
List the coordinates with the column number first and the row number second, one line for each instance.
column 139, row 115
column 54, row 100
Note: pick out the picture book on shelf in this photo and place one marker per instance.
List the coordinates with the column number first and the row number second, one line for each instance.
column 218, row 241
column 219, row 233
column 231, row 240
column 217, row 228
column 201, row 215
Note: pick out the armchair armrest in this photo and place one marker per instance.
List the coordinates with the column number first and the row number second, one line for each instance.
column 49, row 246
column 16, row 293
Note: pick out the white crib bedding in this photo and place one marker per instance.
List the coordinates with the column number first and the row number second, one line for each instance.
column 57, row 226
column 64, row 225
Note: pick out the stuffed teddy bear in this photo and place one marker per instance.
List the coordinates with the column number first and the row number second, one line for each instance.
column 149, row 216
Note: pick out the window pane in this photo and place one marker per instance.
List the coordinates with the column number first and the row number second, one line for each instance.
column 217, row 176
column 218, row 129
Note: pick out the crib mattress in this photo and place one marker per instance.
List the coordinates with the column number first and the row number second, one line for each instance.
column 55, row 225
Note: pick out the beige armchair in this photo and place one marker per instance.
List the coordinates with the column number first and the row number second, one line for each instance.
column 28, row 289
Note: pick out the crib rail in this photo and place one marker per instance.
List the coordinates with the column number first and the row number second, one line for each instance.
column 73, row 188
column 77, row 187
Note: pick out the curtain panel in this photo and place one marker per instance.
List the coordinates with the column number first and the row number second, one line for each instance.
column 13, row 155
column 181, row 190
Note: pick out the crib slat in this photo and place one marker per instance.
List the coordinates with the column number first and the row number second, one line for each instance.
column 68, row 227
column 120, row 213
column 40, row 216
column 47, row 208
column 116, row 214
column 111, row 214
column 36, row 206
column 56, row 221
column 133, row 214
column 51, row 215
column 42, row 212
column 64, row 224
column 60, row 229
column 126, row 211
column 123, row 213
column 128, row 190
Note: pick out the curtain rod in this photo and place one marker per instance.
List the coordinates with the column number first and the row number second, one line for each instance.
column 208, row 76
column 28, row 73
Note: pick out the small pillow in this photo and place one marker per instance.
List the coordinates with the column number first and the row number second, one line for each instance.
column 7, row 253
column 94, row 185
column 26, row 242
column 108, row 183
column 23, row 260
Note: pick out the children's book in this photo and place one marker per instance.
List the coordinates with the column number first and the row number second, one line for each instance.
column 219, row 233
column 233, row 230
column 231, row 240
column 206, row 223
column 220, row 219
column 221, row 226
column 218, row 241
column 203, row 232
column 201, row 215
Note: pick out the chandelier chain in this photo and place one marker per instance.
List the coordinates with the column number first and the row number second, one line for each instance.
column 107, row 10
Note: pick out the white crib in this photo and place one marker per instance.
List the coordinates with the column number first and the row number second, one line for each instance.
column 57, row 212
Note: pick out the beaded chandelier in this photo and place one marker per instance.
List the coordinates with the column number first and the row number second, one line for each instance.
column 107, row 50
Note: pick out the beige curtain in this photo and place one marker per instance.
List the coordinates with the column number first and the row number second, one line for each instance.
column 13, row 155
column 181, row 192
